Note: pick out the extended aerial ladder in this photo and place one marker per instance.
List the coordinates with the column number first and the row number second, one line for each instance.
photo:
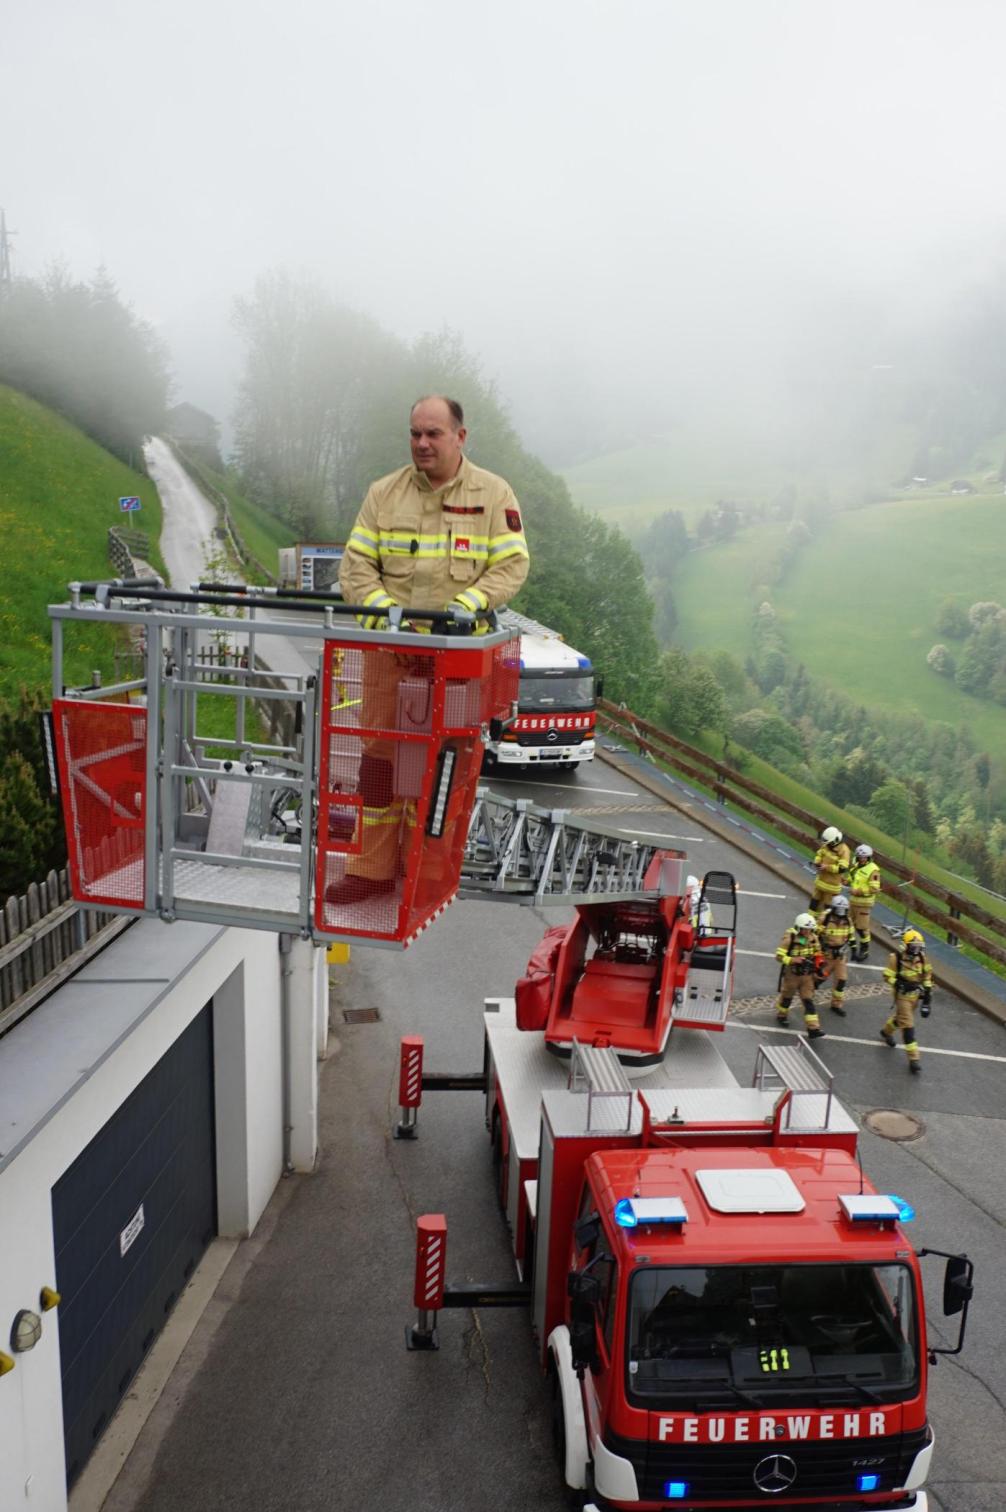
column 269, row 755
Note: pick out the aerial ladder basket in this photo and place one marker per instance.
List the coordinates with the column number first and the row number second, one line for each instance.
column 336, row 802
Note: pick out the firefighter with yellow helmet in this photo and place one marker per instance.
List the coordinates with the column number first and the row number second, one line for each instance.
column 832, row 866
column 836, row 935
column 439, row 534
column 910, row 977
column 864, row 888
column 798, row 952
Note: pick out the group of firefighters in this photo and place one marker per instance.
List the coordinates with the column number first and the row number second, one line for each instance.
column 835, row 930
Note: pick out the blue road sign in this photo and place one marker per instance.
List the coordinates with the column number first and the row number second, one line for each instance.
column 129, row 503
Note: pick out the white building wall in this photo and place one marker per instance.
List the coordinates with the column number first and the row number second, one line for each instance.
column 66, row 1069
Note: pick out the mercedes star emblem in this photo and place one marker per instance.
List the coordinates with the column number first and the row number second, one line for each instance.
column 775, row 1473
column 552, row 736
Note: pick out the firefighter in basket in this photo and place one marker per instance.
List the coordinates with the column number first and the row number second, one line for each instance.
column 910, row 977
column 864, row 886
column 832, row 866
column 836, row 935
column 441, row 534
column 798, row 953
column 700, row 913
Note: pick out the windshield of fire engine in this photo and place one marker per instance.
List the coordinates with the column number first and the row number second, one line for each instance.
column 573, row 691
column 728, row 1334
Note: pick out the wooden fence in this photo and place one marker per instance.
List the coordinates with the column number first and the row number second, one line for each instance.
column 959, row 917
column 44, row 938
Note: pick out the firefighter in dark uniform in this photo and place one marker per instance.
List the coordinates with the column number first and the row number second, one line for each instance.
column 836, row 935
column 797, row 954
column 910, row 977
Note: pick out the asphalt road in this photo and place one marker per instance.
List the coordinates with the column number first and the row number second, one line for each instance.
column 297, row 1394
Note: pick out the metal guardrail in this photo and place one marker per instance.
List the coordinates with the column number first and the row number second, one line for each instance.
column 730, row 786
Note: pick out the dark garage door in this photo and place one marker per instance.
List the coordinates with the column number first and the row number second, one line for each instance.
column 132, row 1216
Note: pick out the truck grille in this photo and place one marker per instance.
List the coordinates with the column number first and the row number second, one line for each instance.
column 725, row 1472
column 563, row 737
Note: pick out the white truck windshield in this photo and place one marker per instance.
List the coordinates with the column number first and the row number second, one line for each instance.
column 538, row 693
column 726, row 1334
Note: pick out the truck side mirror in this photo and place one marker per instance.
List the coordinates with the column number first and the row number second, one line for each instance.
column 583, row 1344
column 599, row 688
column 958, row 1288
column 584, row 1291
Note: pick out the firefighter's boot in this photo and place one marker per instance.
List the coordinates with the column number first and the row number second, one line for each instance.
column 912, row 1051
column 782, row 1010
column 837, row 1005
column 812, row 1023
column 887, row 1034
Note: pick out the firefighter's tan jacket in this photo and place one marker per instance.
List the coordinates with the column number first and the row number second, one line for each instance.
column 835, row 932
column 423, row 547
column 832, row 864
column 908, row 975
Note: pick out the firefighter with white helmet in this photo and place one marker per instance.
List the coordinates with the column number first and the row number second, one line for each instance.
column 832, row 866
column 910, row 977
column 798, row 953
column 700, row 912
column 836, row 935
column 864, row 887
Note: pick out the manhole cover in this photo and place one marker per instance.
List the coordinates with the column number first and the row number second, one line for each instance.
column 360, row 1015
column 890, row 1124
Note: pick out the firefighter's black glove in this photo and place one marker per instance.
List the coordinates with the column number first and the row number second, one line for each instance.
column 927, row 1003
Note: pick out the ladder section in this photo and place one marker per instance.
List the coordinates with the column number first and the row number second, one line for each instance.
column 804, row 1084
column 598, row 1072
column 528, row 854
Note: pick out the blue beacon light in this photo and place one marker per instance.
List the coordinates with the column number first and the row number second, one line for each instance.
column 625, row 1217
column 678, row 1490
column 867, row 1482
column 905, row 1210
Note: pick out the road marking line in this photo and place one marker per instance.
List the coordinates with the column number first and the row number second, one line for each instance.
column 769, row 955
column 849, row 1039
column 578, row 787
column 780, row 897
column 659, row 835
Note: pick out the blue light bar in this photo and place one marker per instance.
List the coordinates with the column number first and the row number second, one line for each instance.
column 522, row 663
column 631, row 1211
column 677, row 1490
column 905, row 1210
column 867, row 1483
column 584, row 661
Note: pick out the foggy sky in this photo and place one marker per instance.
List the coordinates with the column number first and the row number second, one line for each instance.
column 622, row 205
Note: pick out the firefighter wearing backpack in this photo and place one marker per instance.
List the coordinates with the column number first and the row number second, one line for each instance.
column 797, row 954
column 910, row 977
column 864, row 886
column 832, row 866
column 836, row 935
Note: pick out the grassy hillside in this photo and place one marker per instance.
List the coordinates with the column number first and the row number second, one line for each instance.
column 859, row 607
column 59, row 494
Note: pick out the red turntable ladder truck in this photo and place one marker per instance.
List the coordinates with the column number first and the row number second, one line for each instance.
column 728, row 1313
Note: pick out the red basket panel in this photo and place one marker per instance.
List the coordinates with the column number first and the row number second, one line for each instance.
column 387, row 718
column 101, row 749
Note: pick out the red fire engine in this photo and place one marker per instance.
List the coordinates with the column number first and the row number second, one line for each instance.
column 728, row 1313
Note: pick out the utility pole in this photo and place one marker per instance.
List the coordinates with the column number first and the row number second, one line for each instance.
column 6, row 277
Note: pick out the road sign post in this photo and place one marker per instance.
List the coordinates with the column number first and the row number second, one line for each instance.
column 129, row 503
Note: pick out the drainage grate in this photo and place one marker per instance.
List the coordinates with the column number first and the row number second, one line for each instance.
column 361, row 1015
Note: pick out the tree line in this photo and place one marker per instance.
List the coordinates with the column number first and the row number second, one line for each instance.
column 322, row 411
column 78, row 348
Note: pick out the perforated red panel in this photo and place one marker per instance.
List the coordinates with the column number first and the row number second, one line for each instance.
column 390, row 721
column 102, row 750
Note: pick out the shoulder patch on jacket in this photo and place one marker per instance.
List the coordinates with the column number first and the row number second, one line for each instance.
column 513, row 519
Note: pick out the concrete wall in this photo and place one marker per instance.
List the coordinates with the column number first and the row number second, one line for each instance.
column 66, row 1069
